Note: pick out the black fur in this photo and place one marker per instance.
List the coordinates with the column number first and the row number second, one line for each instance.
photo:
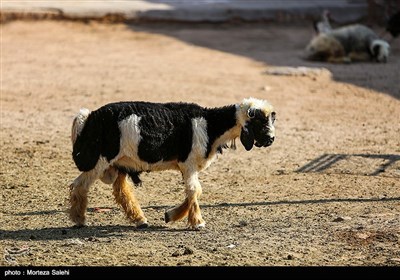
column 256, row 131
column 247, row 137
column 166, row 131
column 133, row 174
column 99, row 137
column 219, row 120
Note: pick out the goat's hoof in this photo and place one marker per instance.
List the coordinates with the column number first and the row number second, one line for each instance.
column 198, row 226
column 142, row 226
column 166, row 217
column 78, row 226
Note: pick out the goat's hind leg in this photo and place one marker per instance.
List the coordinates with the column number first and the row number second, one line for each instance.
column 78, row 197
column 124, row 196
column 177, row 213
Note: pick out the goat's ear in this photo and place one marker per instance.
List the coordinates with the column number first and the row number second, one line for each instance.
column 247, row 137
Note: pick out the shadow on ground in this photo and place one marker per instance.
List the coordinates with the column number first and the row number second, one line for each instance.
column 360, row 164
column 102, row 231
column 258, row 41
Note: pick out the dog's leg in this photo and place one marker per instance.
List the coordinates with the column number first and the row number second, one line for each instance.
column 190, row 205
column 124, row 196
column 78, row 196
column 359, row 56
column 339, row 59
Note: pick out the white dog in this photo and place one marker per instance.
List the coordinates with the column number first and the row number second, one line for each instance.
column 348, row 44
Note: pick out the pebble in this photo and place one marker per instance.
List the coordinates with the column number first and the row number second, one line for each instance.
column 182, row 252
column 341, row 219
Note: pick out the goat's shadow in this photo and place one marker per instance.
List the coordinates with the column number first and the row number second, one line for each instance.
column 91, row 233
column 360, row 164
column 364, row 164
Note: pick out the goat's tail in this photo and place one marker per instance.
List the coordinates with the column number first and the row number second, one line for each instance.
column 78, row 123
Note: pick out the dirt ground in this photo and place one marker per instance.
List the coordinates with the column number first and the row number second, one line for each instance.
column 326, row 193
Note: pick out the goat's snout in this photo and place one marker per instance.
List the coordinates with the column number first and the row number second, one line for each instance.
column 265, row 143
column 269, row 141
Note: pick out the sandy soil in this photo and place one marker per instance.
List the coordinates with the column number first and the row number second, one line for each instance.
column 326, row 193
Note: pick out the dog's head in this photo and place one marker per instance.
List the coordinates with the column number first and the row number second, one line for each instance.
column 257, row 118
column 380, row 50
column 322, row 47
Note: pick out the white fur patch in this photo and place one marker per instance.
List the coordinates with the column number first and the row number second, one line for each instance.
column 130, row 135
column 196, row 159
column 78, row 123
column 200, row 137
column 271, row 128
column 247, row 103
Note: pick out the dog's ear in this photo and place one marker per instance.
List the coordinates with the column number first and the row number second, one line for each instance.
column 247, row 137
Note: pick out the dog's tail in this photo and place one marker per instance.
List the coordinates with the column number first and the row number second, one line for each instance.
column 380, row 50
column 79, row 123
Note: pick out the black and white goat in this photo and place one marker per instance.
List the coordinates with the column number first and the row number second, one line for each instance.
column 126, row 138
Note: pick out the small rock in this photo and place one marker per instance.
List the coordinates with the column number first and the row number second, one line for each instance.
column 176, row 253
column 341, row 219
column 266, row 88
column 362, row 235
column 230, row 246
column 280, row 172
column 382, row 197
column 188, row 251
column 243, row 223
column 290, row 257
column 75, row 241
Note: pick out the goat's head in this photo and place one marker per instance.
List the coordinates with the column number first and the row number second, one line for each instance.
column 257, row 118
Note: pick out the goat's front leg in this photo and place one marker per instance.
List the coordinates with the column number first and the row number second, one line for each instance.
column 124, row 196
column 190, row 206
